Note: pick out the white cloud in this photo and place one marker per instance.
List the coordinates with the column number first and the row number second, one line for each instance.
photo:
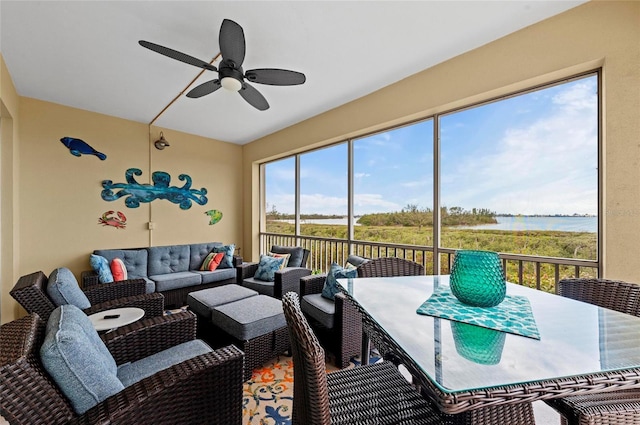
column 537, row 169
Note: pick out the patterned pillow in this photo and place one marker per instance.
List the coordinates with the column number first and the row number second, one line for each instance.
column 285, row 256
column 268, row 267
column 100, row 265
column 212, row 261
column 330, row 288
column 227, row 261
column 118, row 269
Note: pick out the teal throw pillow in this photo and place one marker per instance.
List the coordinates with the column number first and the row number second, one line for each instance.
column 100, row 265
column 228, row 250
column 331, row 288
column 268, row 267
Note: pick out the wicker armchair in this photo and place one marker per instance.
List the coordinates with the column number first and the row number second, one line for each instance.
column 343, row 335
column 615, row 407
column 189, row 392
column 30, row 292
column 286, row 280
column 375, row 393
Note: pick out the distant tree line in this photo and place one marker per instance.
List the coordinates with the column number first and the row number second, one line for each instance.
column 413, row 216
column 410, row 216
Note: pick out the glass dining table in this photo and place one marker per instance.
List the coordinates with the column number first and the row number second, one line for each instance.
column 581, row 348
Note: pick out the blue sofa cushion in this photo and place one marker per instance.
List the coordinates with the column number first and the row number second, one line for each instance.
column 77, row 359
column 63, row 288
column 262, row 286
column 217, row 275
column 130, row 373
column 100, row 265
column 228, row 250
column 168, row 259
column 135, row 260
column 297, row 253
column 198, row 252
column 165, row 282
column 267, row 268
column 320, row 308
column 331, row 287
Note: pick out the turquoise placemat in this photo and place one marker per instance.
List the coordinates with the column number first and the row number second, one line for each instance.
column 512, row 315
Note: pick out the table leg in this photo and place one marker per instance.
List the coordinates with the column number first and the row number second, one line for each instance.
column 364, row 354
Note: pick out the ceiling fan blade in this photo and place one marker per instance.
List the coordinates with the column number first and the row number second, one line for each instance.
column 204, row 89
column 275, row 77
column 174, row 54
column 253, row 97
column 232, row 45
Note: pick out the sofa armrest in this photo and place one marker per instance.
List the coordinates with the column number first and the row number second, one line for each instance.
column 288, row 280
column 152, row 304
column 102, row 292
column 205, row 389
column 312, row 284
column 149, row 336
column 245, row 270
column 88, row 277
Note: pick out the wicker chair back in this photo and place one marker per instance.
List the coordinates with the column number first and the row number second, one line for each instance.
column 29, row 396
column 310, row 392
column 389, row 267
column 612, row 294
column 30, row 292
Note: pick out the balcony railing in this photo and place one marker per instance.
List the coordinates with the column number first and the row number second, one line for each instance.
column 542, row 273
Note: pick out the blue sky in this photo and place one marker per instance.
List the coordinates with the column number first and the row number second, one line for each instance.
column 531, row 154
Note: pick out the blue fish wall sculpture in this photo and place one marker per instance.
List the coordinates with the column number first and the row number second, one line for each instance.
column 79, row 147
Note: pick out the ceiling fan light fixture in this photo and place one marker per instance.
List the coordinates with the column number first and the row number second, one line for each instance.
column 231, row 84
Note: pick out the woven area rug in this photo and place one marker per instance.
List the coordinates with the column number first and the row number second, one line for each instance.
column 268, row 395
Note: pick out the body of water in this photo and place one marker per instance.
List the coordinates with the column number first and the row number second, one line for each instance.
column 518, row 223
column 560, row 224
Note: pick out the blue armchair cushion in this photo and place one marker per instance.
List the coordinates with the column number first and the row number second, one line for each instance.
column 267, row 268
column 77, row 359
column 63, row 288
column 331, row 288
column 100, row 265
column 227, row 261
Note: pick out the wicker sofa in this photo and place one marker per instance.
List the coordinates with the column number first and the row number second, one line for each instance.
column 171, row 270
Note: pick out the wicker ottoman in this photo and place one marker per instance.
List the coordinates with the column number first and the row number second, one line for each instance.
column 257, row 326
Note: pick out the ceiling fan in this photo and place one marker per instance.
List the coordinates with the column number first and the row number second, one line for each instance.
column 230, row 73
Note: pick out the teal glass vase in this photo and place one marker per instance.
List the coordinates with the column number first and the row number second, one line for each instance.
column 480, row 345
column 477, row 278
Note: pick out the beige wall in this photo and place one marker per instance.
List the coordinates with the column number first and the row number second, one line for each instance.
column 596, row 34
column 9, row 208
column 59, row 199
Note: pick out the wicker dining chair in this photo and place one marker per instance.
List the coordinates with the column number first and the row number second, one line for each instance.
column 371, row 394
column 389, row 267
column 615, row 407
column 31, row 293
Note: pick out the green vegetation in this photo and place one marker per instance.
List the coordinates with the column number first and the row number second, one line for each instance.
column 413, row 226
column 412, row 216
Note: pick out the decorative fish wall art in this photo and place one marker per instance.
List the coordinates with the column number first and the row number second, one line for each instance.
column 137, row 193
column 119, row 221
column 79, row 147
column 214, row 216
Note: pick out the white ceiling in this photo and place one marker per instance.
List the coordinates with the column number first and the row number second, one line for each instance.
column 85, row 54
